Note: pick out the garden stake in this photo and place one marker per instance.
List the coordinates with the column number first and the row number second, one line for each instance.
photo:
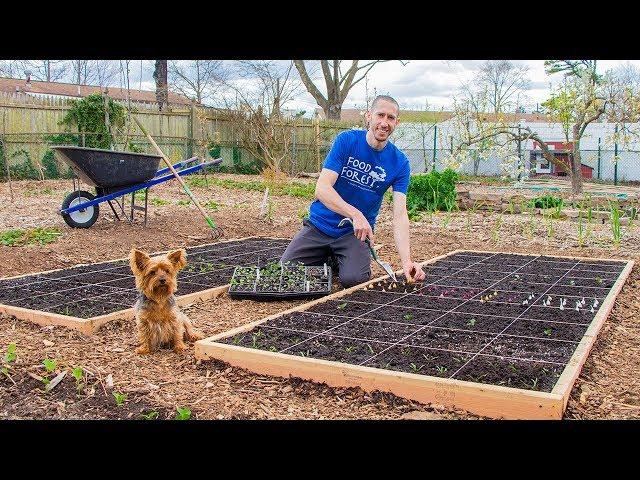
column 210, row 222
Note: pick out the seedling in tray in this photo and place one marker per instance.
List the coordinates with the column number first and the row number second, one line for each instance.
column 276, row 279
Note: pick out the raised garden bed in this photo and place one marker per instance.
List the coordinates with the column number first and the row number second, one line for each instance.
column 273, row 280
column 496, row 334
column 86, row 296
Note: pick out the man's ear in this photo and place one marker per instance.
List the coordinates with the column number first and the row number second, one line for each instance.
column 178, row 258
column 138, row 261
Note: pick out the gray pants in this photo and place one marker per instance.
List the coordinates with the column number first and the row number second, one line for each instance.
column 312, row 247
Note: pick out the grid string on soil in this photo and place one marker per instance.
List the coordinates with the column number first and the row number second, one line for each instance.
column 363, row 314
column 512, row 322
column 435, row 327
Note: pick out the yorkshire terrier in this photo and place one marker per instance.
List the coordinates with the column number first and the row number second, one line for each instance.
column 158, row 318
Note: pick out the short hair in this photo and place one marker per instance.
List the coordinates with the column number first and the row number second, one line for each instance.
column 386, row 98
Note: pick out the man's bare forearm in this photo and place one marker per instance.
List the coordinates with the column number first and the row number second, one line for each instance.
column 401, row 236
column 332, row 200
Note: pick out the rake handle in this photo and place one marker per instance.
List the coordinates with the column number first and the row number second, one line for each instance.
column 210, row 222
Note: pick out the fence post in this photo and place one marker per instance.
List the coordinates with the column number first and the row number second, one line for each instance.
column 615, row 158
column 435, row 147
column 599, row 158
column 190, row 125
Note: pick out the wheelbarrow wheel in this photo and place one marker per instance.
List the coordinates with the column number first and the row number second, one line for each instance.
column 83, row 218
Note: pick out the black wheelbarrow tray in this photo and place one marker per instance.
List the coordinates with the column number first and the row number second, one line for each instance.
column 113, row 174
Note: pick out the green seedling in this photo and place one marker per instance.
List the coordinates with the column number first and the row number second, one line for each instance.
column 408, row 316
column 78, row 373
column 273, row 348
column 598, row 280
column 471, row 322
column 405, row 351
column 152, row 415
column 415, row 368
column 10, row 356
column 183, row 203
column 305, row 354
column 120, row 398
column 183, row 413
column 50, row 365
column 615, row 223
column 441, row 369
column 351, row 348
column 534, row 383
column 342, row 306
column 370, row 349
column 512, row 368
column 547, row 332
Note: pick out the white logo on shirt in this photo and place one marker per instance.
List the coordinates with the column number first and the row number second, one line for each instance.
column 362, row 173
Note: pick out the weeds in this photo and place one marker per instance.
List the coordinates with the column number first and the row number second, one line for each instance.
column 615, row 222
column 158, row 202
column 78, row 374
column 19, row 237
column 152, row 415
column 120, row 398
column 495, row 231
column 183, row 413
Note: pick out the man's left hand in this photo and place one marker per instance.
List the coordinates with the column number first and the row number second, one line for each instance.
column 413, row 272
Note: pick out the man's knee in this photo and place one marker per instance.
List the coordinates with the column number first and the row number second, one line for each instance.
column 351, row 278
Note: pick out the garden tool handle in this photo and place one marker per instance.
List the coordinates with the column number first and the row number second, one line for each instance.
column 366, row 240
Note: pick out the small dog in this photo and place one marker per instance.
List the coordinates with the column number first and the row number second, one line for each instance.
column 158, row 318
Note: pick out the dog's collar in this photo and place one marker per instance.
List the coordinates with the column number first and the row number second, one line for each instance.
column 143, row 299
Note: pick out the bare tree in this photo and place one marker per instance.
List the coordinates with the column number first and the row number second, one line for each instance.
column 162, row 88
column 276, row 82
column 338, row 83
column 582, row 99
column 198, row 80
column 44, row 70
column 501, row 82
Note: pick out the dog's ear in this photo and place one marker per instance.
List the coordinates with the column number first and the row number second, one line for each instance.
column 178, row 258
column 138, row 261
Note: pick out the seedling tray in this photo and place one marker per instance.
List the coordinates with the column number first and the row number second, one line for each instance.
column 497, row 334
column 277, row 282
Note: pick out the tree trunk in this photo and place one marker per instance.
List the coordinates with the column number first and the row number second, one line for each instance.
column 576, row 163
column 162, row 87
column 333, row 112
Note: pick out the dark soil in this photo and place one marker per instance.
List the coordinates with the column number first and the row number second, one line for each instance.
column 67, row 401
column 498, row 321
column 98, row 289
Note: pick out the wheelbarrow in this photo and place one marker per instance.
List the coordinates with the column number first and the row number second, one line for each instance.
column 114, row 175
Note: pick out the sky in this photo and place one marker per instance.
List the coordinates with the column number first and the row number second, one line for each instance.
column 414, row 84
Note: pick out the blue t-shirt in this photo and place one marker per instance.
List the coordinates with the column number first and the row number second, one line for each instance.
column 364, row 174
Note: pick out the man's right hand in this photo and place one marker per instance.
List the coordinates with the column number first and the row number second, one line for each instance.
column 361, row 227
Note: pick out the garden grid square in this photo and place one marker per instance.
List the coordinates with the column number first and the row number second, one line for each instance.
column 92, row 290
column 497, row 318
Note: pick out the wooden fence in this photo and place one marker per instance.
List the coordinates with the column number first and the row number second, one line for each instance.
column 27, row 122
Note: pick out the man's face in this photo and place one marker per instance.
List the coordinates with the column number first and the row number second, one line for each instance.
column 383, row 119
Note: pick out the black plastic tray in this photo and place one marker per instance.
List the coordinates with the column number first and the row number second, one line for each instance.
column 279, row 295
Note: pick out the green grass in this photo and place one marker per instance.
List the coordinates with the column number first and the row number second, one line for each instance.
column 36, row 193
column 183, row 203
column 294, row 189
column 159, row 202
column 212, row 205
column 484, row 180
column 20, row 237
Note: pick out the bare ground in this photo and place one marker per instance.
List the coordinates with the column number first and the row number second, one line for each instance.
column 607, row 387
